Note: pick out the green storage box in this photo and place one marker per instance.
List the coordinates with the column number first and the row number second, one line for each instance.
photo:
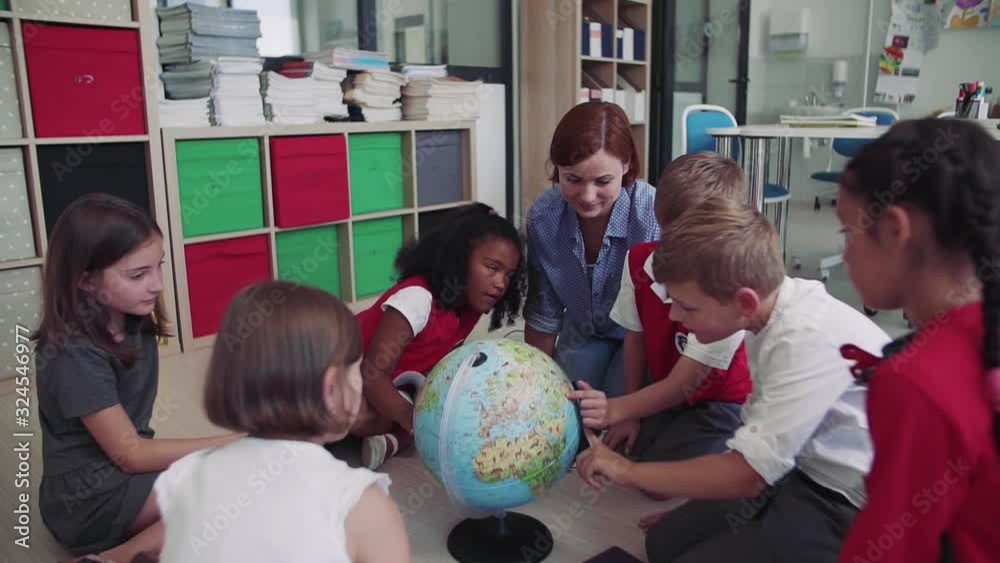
column 220, row 186
column 310, row 257
column 4, row 5
column 376, row 243
column 376, row 161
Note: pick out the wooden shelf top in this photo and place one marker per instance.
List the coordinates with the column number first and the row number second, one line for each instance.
column 633, row 63
column 227, row 236
column 590, row 59
column 71, row 21
column 275, row 130
column 22, row 263
column 89, row 140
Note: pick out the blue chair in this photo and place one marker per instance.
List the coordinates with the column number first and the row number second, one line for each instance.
column 696, row 121
column 850, row 148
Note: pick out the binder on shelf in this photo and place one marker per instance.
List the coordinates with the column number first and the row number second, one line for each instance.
column 640, row 45
column 607, row 40
column 620, row 98
column 628, row 44
column 595, row 41
column 608, row 95
column 619, row 38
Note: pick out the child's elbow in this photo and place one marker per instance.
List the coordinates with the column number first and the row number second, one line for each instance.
column 128, row 459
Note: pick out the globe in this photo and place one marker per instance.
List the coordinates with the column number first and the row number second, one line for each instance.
column 493, row 424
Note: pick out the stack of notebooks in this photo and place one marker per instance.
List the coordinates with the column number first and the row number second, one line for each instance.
column 235, row 96
column 289, row 101
column 351, row 59
column 374, row 95
column 192, row 112
column 326, row 86
column 421, row 72
column 441, row 99
column 192, row 32
column 229, row 86
column 846, row 120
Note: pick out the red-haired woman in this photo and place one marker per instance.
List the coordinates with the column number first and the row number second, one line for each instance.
column 579, row 232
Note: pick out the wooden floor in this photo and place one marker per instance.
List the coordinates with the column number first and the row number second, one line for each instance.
column 582, row 521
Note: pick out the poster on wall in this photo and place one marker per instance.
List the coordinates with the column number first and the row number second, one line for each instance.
column 912, row 31
column 970, row 14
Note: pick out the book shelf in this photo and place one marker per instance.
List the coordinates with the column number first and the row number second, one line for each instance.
column 41, row 168
column 553, row 71
column 340, row 233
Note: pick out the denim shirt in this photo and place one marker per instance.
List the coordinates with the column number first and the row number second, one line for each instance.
column 559, row 291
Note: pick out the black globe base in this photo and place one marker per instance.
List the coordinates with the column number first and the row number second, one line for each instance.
column 510, row 538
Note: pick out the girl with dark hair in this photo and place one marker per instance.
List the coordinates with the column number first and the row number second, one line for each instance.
column 921, row 209
column 97, row 373
column 579, row 233
column 448, row 279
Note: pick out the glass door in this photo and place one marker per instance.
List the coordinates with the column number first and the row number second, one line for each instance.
column 701, row 58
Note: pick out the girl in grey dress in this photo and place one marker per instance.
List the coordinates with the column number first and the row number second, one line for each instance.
column 97, row 370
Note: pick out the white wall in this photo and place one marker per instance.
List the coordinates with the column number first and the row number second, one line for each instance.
column 961, row 56
column 837, row 31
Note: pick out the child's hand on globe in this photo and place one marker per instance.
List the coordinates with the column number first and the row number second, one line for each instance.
column 593, row 406
column 599, row 464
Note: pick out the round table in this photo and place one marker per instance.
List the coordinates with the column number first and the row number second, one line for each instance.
column 758, row 140
column 757, row 149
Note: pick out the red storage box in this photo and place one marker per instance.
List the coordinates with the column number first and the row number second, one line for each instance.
column 216, row 271
column 84, row 81
column 309, row 175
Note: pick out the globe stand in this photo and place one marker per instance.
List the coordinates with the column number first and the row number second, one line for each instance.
column 513, row 537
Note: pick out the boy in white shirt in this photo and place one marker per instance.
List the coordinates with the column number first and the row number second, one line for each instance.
column 804, row 426
column 692, row 403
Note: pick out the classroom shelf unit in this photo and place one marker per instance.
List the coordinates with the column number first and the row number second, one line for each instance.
column 550, row 36
column 76, row 111
column 326, row 205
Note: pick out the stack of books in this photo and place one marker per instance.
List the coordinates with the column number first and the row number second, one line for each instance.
column 192, row 112
column 289, row 101
column 192, row 32
column 846, row 120
column 374, row 95
column 350, row 59
column 451, row 99
column 327, row 86
column 235, row 96
column 421, row 72
column 187, row 81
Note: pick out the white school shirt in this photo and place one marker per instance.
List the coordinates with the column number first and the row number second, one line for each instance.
column 414, row 303
column 806, row 410
column 717, row 355
column 256, row 499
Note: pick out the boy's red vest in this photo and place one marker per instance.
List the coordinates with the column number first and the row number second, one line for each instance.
column 665, row 339
column 446, row 329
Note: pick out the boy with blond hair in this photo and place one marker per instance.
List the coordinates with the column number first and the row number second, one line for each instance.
column 804, row 426
column 693, row 402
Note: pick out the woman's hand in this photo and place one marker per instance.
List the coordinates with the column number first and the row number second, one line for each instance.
column 599, row 464
column 593, row 406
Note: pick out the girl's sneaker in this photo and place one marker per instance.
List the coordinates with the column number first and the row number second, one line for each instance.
column 376, row 449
